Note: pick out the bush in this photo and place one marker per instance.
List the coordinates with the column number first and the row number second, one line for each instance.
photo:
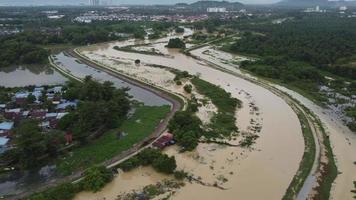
column 165, row 164
column 180, row 175
column 96, row 178
column 186, row 128
column 149, row 156
column 179, row 30
column 63, row 191
column 188, row 88
column 176, row 43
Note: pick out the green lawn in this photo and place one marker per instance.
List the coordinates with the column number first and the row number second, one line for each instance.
column 139, row 126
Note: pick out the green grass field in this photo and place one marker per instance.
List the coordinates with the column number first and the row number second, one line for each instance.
column 138, row 127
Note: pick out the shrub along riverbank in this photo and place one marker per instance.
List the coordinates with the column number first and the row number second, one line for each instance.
column 160, row 162
column 95, row 179
column 187, row 127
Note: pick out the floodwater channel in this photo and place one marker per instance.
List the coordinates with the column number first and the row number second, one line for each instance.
column 276, row 155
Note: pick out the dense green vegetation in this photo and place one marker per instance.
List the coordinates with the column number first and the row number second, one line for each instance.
column 223, row 123
column 295, row 74
column 160, row 162
column 29, row 47
column 136, row 129
column 330, row 170
column 322, row 41
column 186, row 128
column 176, row 43
column 179, row 30
column 351, row 112
column 96, row 178
column 301, row 52
column 63, row 191
column 132, row 50
column 102, row 106
column 15, row 51
column 32, row 145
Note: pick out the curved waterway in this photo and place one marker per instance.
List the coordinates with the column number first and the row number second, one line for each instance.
column 342, row 139
column 81, row 70
column 267, row 171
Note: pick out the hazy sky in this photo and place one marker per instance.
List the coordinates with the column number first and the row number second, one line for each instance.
column 77, row 2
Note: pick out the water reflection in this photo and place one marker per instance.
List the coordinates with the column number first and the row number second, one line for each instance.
column 81, row 70
column 19, row 76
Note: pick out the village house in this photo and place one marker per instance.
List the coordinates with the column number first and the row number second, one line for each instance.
column 66, row 104
column 5, row 128
column 165, row 140
column 19, row 109
column 12, row 113
column 3, row 144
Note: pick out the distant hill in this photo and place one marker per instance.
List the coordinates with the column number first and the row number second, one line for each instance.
column 203, row 5
column 310, row 3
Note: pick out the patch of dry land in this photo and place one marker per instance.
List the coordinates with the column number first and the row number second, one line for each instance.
column 262, row 171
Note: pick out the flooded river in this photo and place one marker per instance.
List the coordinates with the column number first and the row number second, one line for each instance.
column 277, row 152
column 342, row 139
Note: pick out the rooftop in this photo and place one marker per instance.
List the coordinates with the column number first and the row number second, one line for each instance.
column 3, row 141
column 6, row 125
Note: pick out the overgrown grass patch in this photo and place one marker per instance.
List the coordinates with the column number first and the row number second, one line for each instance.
column 139, row 126
column 307, row 161
column 223, row 122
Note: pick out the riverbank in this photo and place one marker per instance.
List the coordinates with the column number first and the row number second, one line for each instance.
column 310, row 180
column 266, row 152
column 158, row 129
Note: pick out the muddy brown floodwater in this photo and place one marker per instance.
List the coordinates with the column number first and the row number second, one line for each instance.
column 261, row 173
column 343, row 141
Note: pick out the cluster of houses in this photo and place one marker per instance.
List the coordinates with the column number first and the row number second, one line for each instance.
column 19, row 108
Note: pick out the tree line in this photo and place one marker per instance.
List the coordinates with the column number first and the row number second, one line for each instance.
column 327, row 43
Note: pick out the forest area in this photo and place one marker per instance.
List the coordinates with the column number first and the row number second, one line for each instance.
column 32, row 46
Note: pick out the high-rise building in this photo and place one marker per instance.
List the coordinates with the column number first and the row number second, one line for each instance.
column 216, row 10
column 94, row 2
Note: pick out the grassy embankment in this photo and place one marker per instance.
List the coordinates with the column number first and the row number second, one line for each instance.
column 137, row 127
column 307, row 161
column 131, row 50
column 329, row 172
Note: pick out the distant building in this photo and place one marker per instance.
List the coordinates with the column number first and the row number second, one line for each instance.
column 316, row 9
column 343, row 8
column 216, row 10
